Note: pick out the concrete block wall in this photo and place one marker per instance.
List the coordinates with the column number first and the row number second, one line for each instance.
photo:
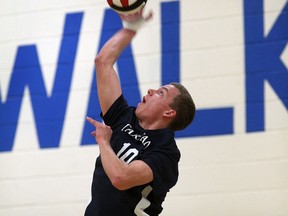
column 241, row 172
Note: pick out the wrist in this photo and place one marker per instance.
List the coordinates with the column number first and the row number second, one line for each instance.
column 134, row 25
column 104, row 143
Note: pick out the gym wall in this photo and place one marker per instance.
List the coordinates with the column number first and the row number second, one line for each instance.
column 232, row 55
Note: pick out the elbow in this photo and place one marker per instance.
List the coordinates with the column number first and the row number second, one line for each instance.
column 102, row 65
column 119, row 183
column 99, row 60
column 102, row 61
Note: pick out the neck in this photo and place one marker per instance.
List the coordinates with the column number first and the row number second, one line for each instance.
column 155, row 125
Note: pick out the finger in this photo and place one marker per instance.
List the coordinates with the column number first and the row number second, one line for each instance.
column 149, row 16
column 93, row 122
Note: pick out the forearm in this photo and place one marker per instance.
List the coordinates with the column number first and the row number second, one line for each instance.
column 114, row 47
column 124, row 176
column 113, row 166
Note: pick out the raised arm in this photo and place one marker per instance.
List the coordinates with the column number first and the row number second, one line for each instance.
column 108, row 84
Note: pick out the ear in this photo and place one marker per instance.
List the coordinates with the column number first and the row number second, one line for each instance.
column 170, row 113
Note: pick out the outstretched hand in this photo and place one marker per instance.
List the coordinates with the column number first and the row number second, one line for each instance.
column 136, row 16
column 102, row 132
column 135, row 21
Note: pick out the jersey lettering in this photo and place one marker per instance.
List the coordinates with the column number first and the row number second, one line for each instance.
column 127, row 155
column 139, row 137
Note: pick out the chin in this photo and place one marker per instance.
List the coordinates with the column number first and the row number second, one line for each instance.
column 138, row 113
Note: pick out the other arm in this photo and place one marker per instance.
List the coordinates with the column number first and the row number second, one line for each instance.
column 123, row 176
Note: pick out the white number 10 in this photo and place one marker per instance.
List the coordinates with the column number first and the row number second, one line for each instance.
column 129, row 155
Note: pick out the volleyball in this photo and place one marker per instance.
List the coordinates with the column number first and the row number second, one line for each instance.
column 126, row 7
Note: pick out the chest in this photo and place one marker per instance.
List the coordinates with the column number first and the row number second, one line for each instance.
column 128, row 143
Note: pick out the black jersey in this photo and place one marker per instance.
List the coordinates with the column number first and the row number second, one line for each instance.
column 131, row 142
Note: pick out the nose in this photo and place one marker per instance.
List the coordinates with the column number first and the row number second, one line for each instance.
column 150, row 92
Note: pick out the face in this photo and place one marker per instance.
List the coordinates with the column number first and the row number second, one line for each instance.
column 156, row 103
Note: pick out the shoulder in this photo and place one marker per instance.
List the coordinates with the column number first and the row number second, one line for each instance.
column 163, row 139
column 162, row 147
column 118, row 110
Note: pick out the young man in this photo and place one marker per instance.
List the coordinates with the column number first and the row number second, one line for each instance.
column 138, row 162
